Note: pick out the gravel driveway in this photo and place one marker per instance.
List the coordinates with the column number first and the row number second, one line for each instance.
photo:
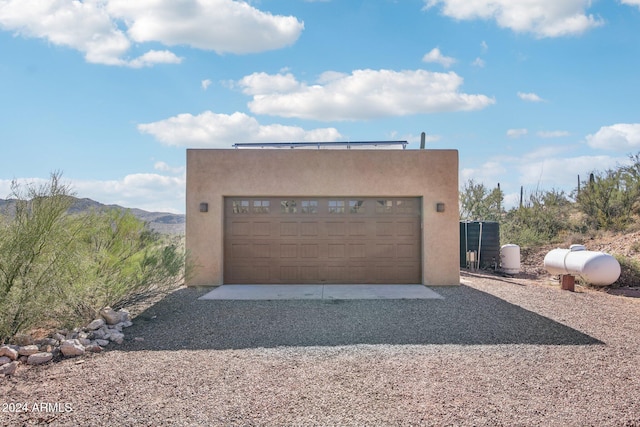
column 492, row 352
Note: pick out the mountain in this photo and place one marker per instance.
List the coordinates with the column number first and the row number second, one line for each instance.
column 162, row 222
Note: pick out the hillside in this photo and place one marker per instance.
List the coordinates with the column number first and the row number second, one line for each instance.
column 162, row 222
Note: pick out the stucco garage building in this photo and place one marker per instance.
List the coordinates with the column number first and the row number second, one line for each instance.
column 265, row 216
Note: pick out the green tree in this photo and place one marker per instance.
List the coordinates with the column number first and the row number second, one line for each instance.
column 60, row 268
column 477, row 202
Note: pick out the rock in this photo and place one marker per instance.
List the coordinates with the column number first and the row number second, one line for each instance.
column 58, row 336
column 96, row 324
column 124, row 315
column 93, row 348
column 9, row 368
column 110, row 316
column 127, row 323
column 102, row 343
column 84, row 341
column 39, row 358
column 72, row 348
column 11, row 353
column 23, row 340
column 100, row 334
column 23, row 359
column 28, row 350
column 117, row 337
column 138, row 339
column 4, row 360
column 117, row 327
column 47, row 341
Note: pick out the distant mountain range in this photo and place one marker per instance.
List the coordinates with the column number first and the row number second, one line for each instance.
column 162, row 222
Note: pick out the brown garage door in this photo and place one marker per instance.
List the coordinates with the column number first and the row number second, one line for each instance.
column 322, row 240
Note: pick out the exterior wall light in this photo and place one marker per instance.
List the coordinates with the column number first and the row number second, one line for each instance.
column 204, row 207
column 439, row 207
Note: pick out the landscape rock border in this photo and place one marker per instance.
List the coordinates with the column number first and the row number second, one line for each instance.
column 63, row 343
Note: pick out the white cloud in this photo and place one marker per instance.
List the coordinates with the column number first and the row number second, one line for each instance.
column 103, row 30
column 223, row 26
column 148, row 191
column 516, row 133
column 484, row 46
column 436, row 56
column 631, row 2
column 621, row 136
column 562, row 172
column 553, row 134
column 478, row 62
column 363, row 94
column 213, row 130
column 155, row 57
column 531, row 97
column 164, row 167
column 84, row 26
column 543, row 18
column 205, row 84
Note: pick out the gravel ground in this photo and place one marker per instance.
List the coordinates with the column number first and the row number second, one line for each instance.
column 495, row 351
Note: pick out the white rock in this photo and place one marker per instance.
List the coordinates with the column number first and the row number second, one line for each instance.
column 4, row 360
column 9, row 368
column 28, row 350
column 102, row 343
column 11, row 353
column 110, row 316
column 71, row 348
column 39, row 358
column 96, row 324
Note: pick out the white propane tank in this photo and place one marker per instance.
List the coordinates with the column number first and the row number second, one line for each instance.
column 510, row 258
column 595, row 268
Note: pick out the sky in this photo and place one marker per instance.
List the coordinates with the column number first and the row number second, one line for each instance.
column 111, row 93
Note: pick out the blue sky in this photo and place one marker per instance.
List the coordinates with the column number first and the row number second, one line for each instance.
column 112, row 92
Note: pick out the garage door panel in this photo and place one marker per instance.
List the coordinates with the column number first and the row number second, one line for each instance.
column 337, row 250
column 261, row 229
column 288, row 229
column 322, row 240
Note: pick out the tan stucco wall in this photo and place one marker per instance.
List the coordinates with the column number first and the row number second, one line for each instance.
column 213, row 174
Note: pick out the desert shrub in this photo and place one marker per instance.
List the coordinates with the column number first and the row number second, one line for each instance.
column 543, row 219
column 608, row 199
column 57, row 268
column 34, row 254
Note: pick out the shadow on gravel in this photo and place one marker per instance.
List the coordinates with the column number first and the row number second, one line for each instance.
column 465, row 316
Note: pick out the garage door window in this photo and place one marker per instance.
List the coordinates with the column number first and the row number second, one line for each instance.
column 261, row 206
column 240, row 206
column 309, row 206
column 336, row 206
column 288, row 206
column 384, row 206
column 356, row 206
